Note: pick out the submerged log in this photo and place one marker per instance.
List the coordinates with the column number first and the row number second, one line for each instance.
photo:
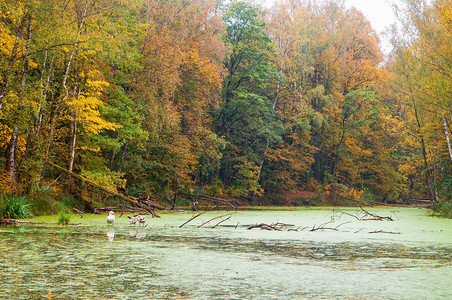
column 382, row 231
column 20, row 222
column 276, row 227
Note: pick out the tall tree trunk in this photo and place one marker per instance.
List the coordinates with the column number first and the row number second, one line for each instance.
column 267, row 144
column 278, row 87
column 11, row 161
column 34, row 152
column 112, row 160
column 65, row 97
column 428, row 170
column 123, row 156
column 446, row 132
column 73, row 143
column 113, row 153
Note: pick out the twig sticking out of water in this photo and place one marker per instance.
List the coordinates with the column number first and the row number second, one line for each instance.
column 322, row 227
column 215, row 218
column 194, row 217
column 222, row 221
column 362, row 215
column 374, row 217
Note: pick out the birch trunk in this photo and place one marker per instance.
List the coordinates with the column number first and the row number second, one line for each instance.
column 12, row 148
column 446, row 132
column 73, row 143
column 65, row 97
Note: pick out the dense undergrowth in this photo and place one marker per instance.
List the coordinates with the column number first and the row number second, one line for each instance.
column 443, row 210
column 14, row 206
column 45, row 203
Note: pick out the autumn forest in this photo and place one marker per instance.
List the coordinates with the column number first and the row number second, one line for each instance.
column 227, row 99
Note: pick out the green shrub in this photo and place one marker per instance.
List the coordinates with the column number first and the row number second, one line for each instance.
column 43, row 203
column 444, row 209
column 14, row 206
column 64, row 217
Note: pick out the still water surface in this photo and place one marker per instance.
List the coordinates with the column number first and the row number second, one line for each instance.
column 408, row 258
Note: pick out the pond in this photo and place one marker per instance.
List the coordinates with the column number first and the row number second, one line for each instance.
column 408, row 258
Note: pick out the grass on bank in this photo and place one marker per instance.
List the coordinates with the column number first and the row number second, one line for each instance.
column 14, row 207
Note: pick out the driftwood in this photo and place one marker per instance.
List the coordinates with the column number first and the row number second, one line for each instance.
column 78, row 211
column 265, row 227
column 145, row 207
column 275, row 227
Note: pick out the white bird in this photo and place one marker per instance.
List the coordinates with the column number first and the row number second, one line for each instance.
column 111, row 218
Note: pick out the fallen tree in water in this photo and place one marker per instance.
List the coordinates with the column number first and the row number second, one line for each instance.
column 106, row 190
column 277, row 227
column 364, row 215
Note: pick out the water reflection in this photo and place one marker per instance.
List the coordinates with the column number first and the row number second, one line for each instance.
column 225, row 263
column 139, row 235
column 111, row 235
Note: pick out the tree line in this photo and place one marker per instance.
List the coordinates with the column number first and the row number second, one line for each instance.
column 152, row 97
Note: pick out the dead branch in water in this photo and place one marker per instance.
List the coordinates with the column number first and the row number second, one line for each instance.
column 363, row 215
column 322, row 227
column 374, row 217
column 194, row 217
column 275, row 227
column 265, row 227
column 216, row 218
column 222, row 221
